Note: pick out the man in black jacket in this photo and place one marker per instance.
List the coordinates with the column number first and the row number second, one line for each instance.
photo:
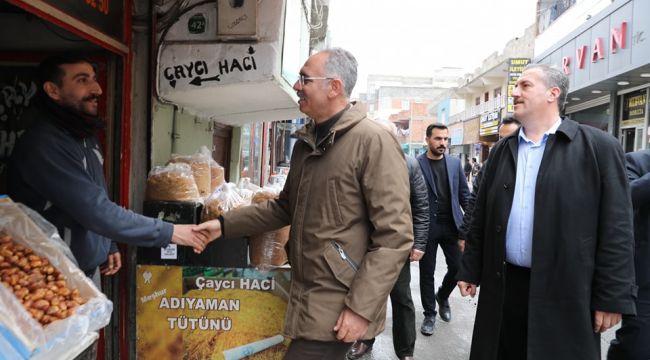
column 551, row 241
column 448, row 194
column 56, row 169
column 632, row 340
column 400, row 296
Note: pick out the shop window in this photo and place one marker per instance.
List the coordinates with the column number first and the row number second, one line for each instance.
column 251, row 152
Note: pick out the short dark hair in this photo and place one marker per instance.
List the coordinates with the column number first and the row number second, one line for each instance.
column 50, row 68
column 435, row 126
column 509, row 120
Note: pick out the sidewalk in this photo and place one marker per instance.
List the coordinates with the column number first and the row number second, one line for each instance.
column 450, row 341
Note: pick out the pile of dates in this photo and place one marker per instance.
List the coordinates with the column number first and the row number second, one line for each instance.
column 39, row 286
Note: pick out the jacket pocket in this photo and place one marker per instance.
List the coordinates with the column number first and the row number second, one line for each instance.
column 334, row 201
column 342, row 266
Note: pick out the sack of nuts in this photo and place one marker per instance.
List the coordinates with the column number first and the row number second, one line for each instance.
column 47, row 304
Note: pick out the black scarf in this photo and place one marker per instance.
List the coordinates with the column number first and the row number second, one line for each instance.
column 78, row 125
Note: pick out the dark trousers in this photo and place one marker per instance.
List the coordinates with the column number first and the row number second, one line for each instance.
column 513, row 339
column 447, row 236
column 403, row 315
column 633, row 338
column 301, row 349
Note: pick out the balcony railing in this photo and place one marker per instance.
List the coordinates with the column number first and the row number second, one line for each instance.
column 493, row 104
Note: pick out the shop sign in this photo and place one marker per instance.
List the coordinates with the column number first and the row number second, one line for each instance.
column 210, row 313
column 490, row 123
column 616, row 41
column 634, row 105
column 184, row 68
column 106, row 16
column 515, row 68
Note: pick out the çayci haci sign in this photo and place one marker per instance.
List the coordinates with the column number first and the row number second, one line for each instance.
column 183, row 67
column 210, row 313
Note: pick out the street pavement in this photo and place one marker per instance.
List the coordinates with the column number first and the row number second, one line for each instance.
column 450, row 341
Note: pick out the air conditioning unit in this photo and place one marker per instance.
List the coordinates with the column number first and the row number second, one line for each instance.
column 237, row 19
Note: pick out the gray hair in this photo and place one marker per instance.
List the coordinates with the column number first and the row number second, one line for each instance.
column 341, row 64
column 553, row 76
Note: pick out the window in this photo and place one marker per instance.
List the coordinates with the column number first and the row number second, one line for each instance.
column 477, row 101
column 497, row 92
column 486, row 96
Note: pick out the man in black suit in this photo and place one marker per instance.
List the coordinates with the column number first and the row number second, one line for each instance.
column 631, row 342
column 448, row 192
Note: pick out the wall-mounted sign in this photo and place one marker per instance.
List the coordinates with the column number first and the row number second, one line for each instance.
column 210, row 313
column 515, row 68
column 634, row 109
column 617, row 40
column 190, row 67
column 490, row 123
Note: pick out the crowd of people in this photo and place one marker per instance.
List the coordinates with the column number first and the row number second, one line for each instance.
column 553, row 232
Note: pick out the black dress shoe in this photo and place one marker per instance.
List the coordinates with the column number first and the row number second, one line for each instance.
column 427, row 325
column 406, row 358
column 443, row 309
column 357, row 350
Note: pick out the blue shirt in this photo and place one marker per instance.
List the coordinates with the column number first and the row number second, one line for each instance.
column 519, row 235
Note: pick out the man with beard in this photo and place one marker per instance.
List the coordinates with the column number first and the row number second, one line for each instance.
column 448, row 192
column 56, row 169
column 551, row 241
column 347, row 200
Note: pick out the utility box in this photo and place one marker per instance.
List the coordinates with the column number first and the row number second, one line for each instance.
column 237, row 19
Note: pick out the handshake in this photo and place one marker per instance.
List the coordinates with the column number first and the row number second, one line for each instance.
column 197, row 236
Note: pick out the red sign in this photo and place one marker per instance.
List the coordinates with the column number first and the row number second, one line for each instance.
column 617, row 40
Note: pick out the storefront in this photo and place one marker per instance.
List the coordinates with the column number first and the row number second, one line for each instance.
column 32, row 30
column 471, row 138
column 608, row 62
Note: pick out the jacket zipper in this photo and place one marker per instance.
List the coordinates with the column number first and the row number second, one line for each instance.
column 344, row 255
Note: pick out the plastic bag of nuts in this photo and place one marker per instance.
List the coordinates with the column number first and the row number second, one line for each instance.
column 41, row 281
column 39, row 286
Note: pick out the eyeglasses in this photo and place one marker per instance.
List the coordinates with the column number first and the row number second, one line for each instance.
column 302, row 79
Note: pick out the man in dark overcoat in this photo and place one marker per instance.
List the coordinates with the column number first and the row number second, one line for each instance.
column 551, row 241
column 633, row 338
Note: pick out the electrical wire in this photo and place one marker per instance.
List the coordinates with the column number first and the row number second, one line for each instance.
column 51, row 29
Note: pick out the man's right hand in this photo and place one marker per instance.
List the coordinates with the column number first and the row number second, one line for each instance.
column 183, row 235
column 467, row 288
column 209, row 229
column 461, row 245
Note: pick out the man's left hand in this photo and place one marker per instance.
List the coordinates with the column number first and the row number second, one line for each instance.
column 604, row 320
column 112, row 264
column 350, row 326
column 416, row 255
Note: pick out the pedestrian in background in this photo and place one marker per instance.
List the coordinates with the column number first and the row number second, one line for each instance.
column 448, row 193
column 400, row 296
column 551, row 240
column 347, row 200
column 632, row 340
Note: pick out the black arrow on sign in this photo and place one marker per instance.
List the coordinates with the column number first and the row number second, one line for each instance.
column 198, row 80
